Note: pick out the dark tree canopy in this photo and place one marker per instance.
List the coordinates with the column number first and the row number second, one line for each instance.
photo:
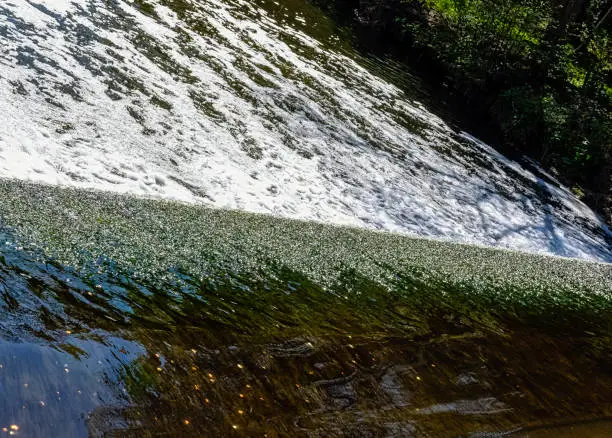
column 536, row 73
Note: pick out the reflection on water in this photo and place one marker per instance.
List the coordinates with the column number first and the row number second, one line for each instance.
column 275, row 353
column 49, row 389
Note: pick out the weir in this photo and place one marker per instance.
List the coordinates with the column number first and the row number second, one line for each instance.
column 261, row 107
column 218, row 218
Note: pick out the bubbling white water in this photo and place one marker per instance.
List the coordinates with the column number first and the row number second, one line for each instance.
column 217, row 102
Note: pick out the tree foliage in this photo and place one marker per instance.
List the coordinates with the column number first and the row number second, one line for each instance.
column 539, row 70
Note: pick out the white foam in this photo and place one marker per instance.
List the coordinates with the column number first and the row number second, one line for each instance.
column 320, row 140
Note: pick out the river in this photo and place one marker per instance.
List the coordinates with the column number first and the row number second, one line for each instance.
column 217, row 218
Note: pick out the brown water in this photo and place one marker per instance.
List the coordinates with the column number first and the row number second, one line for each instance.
column 256, row 348
column 596, row 429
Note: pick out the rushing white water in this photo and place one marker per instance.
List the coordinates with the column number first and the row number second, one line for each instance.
column 222, row 102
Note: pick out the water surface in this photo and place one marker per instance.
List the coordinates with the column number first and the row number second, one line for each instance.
column 259, row 106
column 140, row 316
column 132, row 317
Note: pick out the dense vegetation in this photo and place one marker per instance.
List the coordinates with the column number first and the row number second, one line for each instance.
column 533, row 76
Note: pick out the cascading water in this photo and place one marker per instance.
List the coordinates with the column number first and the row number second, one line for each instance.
column 256, row 106
column 140, row 316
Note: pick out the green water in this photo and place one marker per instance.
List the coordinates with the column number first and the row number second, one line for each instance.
column 131, row 317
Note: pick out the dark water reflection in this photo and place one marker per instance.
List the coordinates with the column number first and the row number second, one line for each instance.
column 49, row 392
column 278, row 355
